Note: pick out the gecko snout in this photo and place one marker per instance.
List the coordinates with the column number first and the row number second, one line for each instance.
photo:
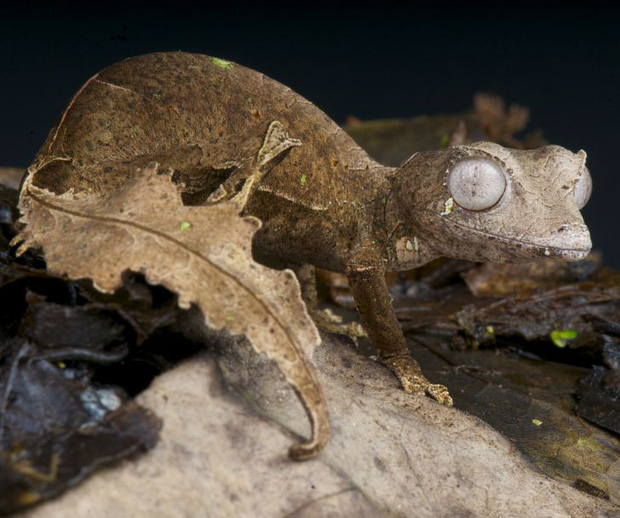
column 571, row 242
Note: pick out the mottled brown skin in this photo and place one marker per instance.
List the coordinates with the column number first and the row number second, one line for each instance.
column 322, row 199
column 187, row 113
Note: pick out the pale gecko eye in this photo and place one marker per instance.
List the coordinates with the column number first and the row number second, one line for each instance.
column 476, row 183
column 583, row 189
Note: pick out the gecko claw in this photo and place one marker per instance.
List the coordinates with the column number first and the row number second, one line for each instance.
column 408, row 372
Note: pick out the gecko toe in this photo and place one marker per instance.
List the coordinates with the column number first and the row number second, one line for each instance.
column 439, row 393
column 413, row 381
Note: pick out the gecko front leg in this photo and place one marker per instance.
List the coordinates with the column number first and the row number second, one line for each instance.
column 374, row 305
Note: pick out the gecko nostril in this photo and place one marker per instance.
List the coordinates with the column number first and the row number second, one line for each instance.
column 563, row 228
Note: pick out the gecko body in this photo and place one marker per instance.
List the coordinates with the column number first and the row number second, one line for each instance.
column 230, row 133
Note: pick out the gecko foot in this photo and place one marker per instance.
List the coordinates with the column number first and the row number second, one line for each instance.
column 328, row 321
column 408, row 372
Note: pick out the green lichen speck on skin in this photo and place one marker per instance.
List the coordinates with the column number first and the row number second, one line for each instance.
column 185, row 225
column 448, row 206
column 222, row 63
column 561, row 337
column 303, row 180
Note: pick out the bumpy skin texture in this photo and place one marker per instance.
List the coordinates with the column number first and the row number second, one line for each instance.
column 321, row 198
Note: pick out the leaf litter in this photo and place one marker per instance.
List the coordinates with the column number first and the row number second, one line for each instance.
column 144, row 227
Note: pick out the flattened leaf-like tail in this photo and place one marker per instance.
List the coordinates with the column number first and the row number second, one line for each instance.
column 201, row 253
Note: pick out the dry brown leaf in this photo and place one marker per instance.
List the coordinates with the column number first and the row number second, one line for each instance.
column 501, row 280
column 201, row 253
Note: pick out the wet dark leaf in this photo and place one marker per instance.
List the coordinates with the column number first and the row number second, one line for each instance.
column 531, row 402
column 8, row 205
column 599, row 397
column 56, row 427
column 88, row 332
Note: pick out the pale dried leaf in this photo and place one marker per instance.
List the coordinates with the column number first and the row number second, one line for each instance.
column 201, row 253
column 391, row 454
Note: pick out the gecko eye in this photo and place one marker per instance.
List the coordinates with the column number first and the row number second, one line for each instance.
column 476, row 183
column 583, row 189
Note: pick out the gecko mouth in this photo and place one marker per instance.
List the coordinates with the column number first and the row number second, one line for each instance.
column 572, row 254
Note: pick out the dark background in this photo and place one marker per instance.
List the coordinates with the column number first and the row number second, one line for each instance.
column 371, row 60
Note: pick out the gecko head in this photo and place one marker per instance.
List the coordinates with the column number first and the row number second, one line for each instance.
column 484, row 202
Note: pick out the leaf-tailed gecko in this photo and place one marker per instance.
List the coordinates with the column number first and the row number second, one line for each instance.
column 229, row 132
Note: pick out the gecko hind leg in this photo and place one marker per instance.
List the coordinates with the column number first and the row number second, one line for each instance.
column 325, row 319
column 249, row 186
column 276, row 143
